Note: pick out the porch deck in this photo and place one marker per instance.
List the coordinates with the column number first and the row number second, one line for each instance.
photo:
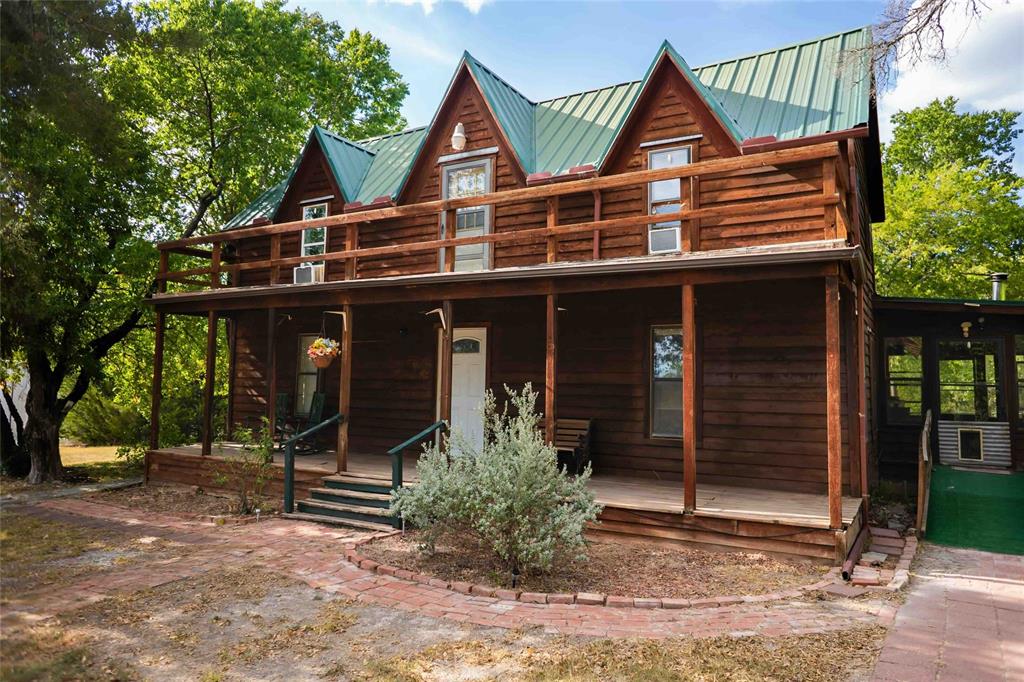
column 806, row 510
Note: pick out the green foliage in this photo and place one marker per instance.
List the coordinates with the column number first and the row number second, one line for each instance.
column 132, row 455
column 248, row 468
column 98, row 420
column 510, row 497
column 953, row 204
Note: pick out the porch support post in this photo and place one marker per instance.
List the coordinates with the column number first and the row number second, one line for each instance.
column 446, row 361
column 551, row 368
column 211, row 368
column 833, row 417
column 271, row 369
column 854, row 378
column 862, row 391
column 158, row 380
column 345, row 388
column 689, row 399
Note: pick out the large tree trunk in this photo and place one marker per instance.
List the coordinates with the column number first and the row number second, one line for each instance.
column 42, row 430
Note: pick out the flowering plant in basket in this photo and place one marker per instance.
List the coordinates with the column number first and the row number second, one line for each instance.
column 322, row 351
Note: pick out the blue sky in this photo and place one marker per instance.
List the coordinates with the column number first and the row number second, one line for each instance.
column 546, row 49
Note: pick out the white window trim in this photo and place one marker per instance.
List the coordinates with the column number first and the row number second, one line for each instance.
column 304, row 243
column 488, row 165
column 299, row 373
column 653, row 227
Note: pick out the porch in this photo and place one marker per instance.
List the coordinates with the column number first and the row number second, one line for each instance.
column 726, row 516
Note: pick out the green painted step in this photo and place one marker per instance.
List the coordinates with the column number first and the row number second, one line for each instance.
column 335, row 521
column 365, row 484
column 345, row 511
column 352, row 497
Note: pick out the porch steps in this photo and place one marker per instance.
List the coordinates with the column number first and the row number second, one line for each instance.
column 349, row 499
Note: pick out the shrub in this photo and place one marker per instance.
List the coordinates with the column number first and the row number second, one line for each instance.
column 248, row 469
column 97, row 420
column 510, row 497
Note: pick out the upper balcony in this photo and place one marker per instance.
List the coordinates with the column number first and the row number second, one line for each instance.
column 805, row 197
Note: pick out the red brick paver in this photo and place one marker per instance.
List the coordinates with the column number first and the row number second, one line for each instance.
column 315, row 554
column 963, row 620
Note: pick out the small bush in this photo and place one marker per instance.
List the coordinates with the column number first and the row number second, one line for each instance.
column 510, row 497
column 97, row 420
column 248, row 469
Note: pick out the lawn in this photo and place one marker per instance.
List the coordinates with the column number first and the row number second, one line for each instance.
column 82, row 464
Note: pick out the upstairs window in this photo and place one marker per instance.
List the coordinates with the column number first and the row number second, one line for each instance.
column 469, row 180
column 314, row 239
column 663, row 197
column 904, row 370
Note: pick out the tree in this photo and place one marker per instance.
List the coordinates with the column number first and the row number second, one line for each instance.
column 953, row 203
column 124, row 126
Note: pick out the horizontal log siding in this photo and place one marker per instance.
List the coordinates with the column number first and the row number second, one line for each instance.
column 249, row 400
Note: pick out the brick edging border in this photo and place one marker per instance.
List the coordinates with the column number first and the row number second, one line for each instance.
column 353, row 556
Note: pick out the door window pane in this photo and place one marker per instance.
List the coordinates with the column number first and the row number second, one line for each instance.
column 904, row 373
column 667, row 382
column 306, row 376
column 969, row 380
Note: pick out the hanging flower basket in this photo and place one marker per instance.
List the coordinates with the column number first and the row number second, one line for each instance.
column 322, row 352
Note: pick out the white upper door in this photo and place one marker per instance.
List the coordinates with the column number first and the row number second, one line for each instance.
column 469, row 381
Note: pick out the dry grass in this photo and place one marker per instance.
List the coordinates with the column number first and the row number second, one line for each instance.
column 26, row 543
column 165, row 500
column 307, row 639
column 612, row 568
column 808, row 658
column 81, row 465
column 71, row 455
column 48, row 652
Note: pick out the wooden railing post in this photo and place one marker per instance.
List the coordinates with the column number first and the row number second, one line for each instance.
column 689, row 369
column 695, row 205
column 289, row 477
column 161, row 280
column 345, row 388
column 158, row 380
column 450, row 232
column 552, row 222
column 209, row 380
column 551, row 368
column 597, row 231
column 447, row 331
column 685, row 234
column 351, row 244
column 828, row 188
column 833, row 416
column 215, row 266
column 275, row 255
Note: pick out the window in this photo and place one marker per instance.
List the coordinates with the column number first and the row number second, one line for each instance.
column 969, row 380
column 466, row 346
column 663, row 197
column 314, row 239
column 1019, row 361
column 667, row 382
column 469, row 180
column 306, row 376
column 903, row 374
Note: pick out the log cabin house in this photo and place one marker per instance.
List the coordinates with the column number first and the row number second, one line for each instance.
column 720, row 356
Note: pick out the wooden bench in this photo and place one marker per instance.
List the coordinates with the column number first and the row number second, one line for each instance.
column 572, row 441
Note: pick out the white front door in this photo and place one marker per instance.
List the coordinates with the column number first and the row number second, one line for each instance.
column 469, row 381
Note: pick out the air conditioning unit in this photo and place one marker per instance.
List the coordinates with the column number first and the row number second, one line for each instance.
column 308, row 274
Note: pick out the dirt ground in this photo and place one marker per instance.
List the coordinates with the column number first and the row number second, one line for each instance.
column 185, row 500
column 628, row 570
column 249, row 623
column 81, row 465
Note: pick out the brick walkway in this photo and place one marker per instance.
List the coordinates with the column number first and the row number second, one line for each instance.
column 963, row 620
column 314, row 554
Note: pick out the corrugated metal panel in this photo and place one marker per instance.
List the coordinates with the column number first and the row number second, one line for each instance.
column 348, row 161
column 393, row 156
column 797, row 90
column 514, row 112
column 578, row 129
column 995, row 441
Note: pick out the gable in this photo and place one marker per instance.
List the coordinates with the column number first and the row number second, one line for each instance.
column 311, row 179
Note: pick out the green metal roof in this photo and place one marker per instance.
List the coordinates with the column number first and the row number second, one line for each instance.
column 793, row 91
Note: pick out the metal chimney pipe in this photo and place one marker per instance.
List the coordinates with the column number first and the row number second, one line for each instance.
column 998, row 280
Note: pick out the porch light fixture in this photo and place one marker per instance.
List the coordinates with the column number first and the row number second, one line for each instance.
column 459, row 137
column 966, row 326
column 440, row 313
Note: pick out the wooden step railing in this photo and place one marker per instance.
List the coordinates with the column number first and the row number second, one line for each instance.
column 395, row 453
column 832, row 204
column 289, row 459
column 924, row 474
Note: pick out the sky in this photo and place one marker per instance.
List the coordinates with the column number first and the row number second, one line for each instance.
column 546, row 49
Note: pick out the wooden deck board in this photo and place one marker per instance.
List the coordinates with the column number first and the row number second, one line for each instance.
column 716, row 501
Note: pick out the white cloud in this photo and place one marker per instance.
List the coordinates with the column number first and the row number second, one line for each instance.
column 985, row 68
column 403, row 41
column 474, row 6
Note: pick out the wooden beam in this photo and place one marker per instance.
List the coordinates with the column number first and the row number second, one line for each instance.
column 773, row 158
column 158, row 380
column 451, row 223
column 271, row 368
column 551, row 368
column 828, row 189
column 695, row 205
column 552, row 222
column 351, row 244
column 447, row 331
column 853, row 380
column 597, row 217
column 689, row 330
column 345, row 388
column 215, row 266
column 862, row 390
column 275, row 255
column 209, row 380
column 833, row 419
column 161, row 273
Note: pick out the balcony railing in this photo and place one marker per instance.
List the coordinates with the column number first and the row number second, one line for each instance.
column 741, row 192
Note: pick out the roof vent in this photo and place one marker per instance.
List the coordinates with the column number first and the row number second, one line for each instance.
column 998, row 280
